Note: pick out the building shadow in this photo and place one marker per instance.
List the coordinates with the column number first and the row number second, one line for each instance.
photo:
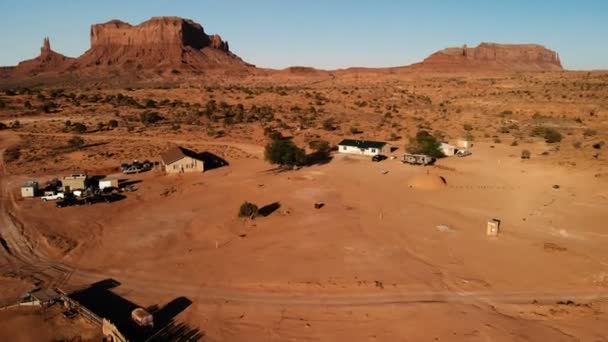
column 269, row 209
column 212, row 161
column 103, row 302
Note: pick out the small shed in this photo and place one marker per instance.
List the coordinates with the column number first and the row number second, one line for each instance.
column 108, row 182
column 364, row 147
column 29, row 189
column 74, row 182
column 493, row 227
column 447, row 149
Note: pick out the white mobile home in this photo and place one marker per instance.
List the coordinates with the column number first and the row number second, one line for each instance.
column 363, row 147
column 29, row 189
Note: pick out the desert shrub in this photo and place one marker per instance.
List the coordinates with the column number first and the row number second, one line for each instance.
column 48, row 106
column 577, row 144
column 76, row 142
column 10, row 92
column 12, row 153
column 27, row 105
column 393, row 137
column 525, row 154
column 284, row 152
column 328, row 124
column 355, row 130
column 15, row 124
column 424, row 143
column 467, row 127
column 514, row 143
column 3, row 126
column 589, row 132
column 113, row 123
column 551, row 135
column 497, row 140
column 150, row 117
column 78, row 127
column 248, row 209
column 2, row 104
column 150, row 103
column 320, row 146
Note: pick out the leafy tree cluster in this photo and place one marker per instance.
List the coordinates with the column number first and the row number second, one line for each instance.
column 284, row 152
column 424, row 143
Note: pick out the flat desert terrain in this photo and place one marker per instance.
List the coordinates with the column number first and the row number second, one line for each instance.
column 396, row 252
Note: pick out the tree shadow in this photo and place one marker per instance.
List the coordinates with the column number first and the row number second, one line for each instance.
column 269, row 209
column 103, row 302
column 317, row 158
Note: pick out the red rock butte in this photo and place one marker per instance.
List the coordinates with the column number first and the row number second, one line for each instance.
column 492, row 56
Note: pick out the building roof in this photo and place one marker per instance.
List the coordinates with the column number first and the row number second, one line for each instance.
column 176, row 153
column 363, row 143
column 29, row 184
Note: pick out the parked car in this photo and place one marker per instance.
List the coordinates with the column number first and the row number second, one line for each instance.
column 52, row 196
column 463, row 153
column 68, row 202
column 379, row 158
column 132, row 169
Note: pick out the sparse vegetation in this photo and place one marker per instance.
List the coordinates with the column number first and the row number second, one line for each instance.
column 148, row 118
column 525, row 154
column 284, row 153
column 551, row 135
column 76, row 142
column 248, row 209
column 424, row 143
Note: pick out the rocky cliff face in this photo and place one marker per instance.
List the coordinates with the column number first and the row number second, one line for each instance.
column 491, row 56
column 168, row 42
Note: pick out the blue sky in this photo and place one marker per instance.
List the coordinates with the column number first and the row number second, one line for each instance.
column 326, row 34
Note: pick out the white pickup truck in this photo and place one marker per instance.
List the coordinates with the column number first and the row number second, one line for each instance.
column 52, row 196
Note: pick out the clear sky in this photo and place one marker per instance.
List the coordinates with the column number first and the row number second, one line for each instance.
column 326, row 34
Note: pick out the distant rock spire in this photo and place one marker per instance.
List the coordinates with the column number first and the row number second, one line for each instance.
column 46, row 47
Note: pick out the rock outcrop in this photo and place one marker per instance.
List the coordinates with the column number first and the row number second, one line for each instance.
column 161, row 42
column 492, row 56
column 48, row 60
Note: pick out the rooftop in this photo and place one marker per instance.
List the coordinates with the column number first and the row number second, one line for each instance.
column 176, row 153
column 363, row 143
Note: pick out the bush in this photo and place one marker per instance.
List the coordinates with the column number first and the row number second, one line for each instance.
column 525, row 154
column 248, row 209
column 320, row 146
column 76, row 142
column 78, row 127
column 28, row 105
column 355, row 130
column 3, row 126
column 328, row 124
column 551, row 135
column 424, row 143
column 150, row 103
column 150, row 117
column 12, row 153
column 2, row 104
column 577, row 144
column 467, row 127
column 113, row 123
column 589, row 132
column 514, row 143
column 48, row 106
column 284, row 152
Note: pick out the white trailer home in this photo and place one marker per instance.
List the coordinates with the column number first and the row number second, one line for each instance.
column 448, row 150
column 364, row 147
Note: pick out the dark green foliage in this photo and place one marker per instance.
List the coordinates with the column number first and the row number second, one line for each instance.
column 150, row 117
column 424, row 143
column 321, row 146
column 78, row 127
column 284, row 152
column 76, row 142
column 551, row 135
column 12, row 153
column 248, row 209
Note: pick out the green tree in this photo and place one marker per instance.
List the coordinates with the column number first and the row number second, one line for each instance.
column 150, row 117
column 424, row 143
column 248, row 209
column 284, row 152
column 76, row 142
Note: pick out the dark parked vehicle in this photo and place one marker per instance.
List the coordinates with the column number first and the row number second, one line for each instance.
column 379, row 158
column 103, row 197
column 68, row 201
